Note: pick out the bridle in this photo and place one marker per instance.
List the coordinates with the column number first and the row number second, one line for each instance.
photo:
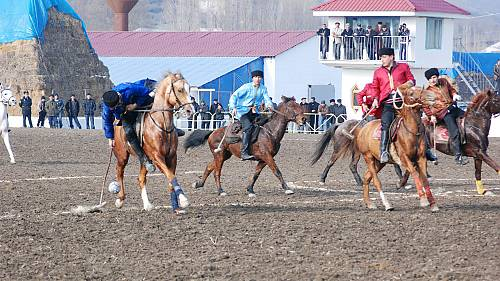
column 294, row 114
column 6, row 99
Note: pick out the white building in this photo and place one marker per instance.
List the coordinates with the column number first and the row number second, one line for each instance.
column 429, row 43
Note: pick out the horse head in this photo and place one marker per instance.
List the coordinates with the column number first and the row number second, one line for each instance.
column 8, row 97
column 292, row 110
column 413, row 97
column 173, row 92
column 494, row 102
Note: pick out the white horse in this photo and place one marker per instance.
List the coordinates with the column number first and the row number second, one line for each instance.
column 7, row 99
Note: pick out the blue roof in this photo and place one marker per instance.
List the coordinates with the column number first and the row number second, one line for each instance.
column 197, row 70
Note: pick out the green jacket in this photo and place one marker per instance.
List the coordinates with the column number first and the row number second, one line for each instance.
column 51, row 108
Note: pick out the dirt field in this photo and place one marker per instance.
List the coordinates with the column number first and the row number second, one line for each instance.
column 320, row 233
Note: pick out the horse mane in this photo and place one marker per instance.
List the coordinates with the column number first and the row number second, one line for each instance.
column 287, row 99
column 477, row 101
column 175, row 75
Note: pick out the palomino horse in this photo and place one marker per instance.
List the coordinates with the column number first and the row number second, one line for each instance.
column 477, row 127
column 159, row 141
column 264, row 149
column 7, row 99
column 407, row 150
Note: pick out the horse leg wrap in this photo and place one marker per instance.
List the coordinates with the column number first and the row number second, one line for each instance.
column 479, row 187
column 429, row 196
column 174, row 201
column 418, row 184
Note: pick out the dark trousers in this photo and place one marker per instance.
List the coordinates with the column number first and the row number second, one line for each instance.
column 205, row 124
column 247, row 121
column 77, row 123
column 450, row 119
column 41, row 119
column 402, row 51
column 89, row 120
column 27, row 115
column 53, row 122
column 337, row 51
column 388, row 114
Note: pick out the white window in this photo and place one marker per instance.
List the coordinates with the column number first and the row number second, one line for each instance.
column 434, row 33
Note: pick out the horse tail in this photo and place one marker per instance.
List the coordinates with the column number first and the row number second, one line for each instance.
column 196, row 138
column 342, row 144
column 322, row 144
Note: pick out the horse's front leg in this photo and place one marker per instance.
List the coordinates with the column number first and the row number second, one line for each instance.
column 479, row 183
column 122, row 160
column 5, row 136
column 258, row 169
column 269, row 160
column 408, row 164
column 142, row 186
column 422, row 170
column 178, row 199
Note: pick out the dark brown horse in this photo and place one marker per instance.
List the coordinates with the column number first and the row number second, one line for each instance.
column 159, row 141
column 408, row 150
column 477, row 127
column 264, row 149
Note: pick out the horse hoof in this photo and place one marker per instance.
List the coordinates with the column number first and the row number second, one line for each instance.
column 424, row 202
column 430, row 179
column 12, row 161
column 148, row 207
column 408, row 186
column 183, row 201
column 321, row 183
column 289, row 192
column 196, row 185
column 179, row 212
column 434, row 208
column 388, row 209
column 223, row 194
column 252, row 195
column 118, row 203
column 488, row 193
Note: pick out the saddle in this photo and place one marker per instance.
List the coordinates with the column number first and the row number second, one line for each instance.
column 442, row 135
column 234, row 130
column 393, row 129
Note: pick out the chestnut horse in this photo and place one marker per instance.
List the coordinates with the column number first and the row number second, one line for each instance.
column 408, row 150
column 159, row 141
column 477, row 127
column 264, row 149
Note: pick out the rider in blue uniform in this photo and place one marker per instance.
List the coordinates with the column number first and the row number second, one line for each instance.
column 244, row 105
column 120, row 103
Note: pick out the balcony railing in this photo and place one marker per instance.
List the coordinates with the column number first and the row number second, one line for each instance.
column 364, row 48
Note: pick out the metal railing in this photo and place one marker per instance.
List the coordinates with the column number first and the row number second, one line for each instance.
column 316, row 123
column 366, row 48
column 469, row 70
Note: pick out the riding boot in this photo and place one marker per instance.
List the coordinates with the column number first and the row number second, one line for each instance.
column 459, row 159
column 180, row 132
column 384, row 144
column 245, row 146
column 134, row 143
column 429, row 154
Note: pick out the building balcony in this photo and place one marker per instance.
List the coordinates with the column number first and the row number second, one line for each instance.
column 360, row 51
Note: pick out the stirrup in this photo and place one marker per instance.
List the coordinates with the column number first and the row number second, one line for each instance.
column 461, row 160
column 150, row 167
column 245, row 156
column 384, row 157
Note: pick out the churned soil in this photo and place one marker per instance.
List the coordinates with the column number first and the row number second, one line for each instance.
column 319, row 233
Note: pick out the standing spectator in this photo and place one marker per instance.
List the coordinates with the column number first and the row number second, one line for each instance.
column 324, row 43
column 192, row 118
column 378, row 38
column 359, row 40
column 72, row 110
column 340, row 111
column 25, row 104
column 331, row 110
column 313, row 107
column 323, row 111
column 51, row 108
column 348, row 34
column 60, row 110
column 386, row 37
column 305, row 108
column 371, row 48
column 496, row 75
column 205, row 116
column 41, row 113
column 89, row 107
column 337, row 40
column 213, row 109
column 219, row 116
column 404, row 40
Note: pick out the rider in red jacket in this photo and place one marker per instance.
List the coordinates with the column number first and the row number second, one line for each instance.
column 386, row 80
column 365, row 98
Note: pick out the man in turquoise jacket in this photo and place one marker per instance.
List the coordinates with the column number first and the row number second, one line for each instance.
column 244, row 105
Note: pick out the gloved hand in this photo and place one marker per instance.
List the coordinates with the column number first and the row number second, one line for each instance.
column 457, row 98
column 365, row 107
column 131, row 107
column 433, row 119
column 375, row 103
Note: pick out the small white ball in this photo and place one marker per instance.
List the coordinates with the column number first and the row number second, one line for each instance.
column 114, row 187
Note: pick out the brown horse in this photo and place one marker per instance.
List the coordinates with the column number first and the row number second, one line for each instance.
column 264, row 149
column 159, row 141
column 477, row 127
column 408, row 150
